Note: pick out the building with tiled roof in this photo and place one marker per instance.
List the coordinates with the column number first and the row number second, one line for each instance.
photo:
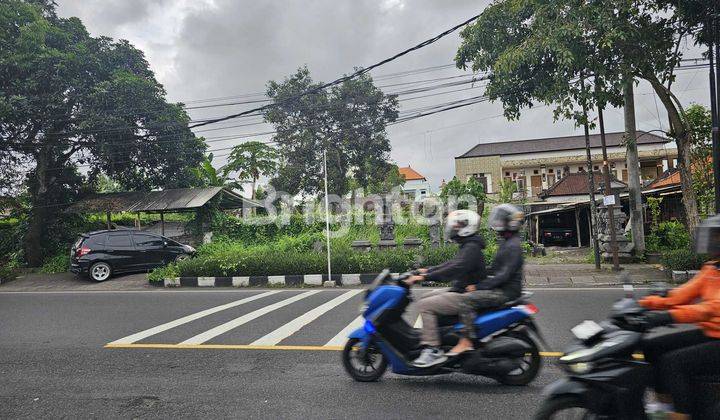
column 416, row 185
column 535, row 165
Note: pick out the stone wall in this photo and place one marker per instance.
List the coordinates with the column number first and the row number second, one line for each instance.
column 465, row 167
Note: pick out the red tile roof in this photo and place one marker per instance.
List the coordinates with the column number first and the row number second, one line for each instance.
column 668, row 179
column 410, row 174
column 574, row 184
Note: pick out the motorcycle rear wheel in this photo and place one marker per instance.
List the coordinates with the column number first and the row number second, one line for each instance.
column 363, row 368
column 530, row 365
column 565, row 407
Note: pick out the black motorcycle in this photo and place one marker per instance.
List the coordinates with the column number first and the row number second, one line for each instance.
column 607, row 379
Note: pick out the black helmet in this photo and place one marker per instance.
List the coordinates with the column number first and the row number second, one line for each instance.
column 506, row 218
column 707, row 236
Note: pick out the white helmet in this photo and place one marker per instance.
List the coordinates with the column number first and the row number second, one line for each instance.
column 506, row 218
column 461, row 224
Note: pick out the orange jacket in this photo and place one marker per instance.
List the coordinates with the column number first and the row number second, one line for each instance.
column 695, row 302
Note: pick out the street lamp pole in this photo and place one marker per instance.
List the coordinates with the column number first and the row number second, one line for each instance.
column 327, row 215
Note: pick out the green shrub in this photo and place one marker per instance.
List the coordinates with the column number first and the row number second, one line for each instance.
column 8, row 272
column 228, row 259
column 57, row 264
column 673, row 235
column 682, row 259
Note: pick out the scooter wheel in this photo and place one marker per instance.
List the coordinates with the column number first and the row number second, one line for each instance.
column 530, row 365
column 564, row 407
column 367, row 366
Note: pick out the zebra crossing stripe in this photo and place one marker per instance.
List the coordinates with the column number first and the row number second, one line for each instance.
column 296, row 324
column 184, row 320
column 341, row 337
column 223, row 328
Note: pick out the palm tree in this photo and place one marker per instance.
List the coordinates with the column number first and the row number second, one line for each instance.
column 251, row 160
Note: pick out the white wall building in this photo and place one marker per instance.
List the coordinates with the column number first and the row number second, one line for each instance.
column 416, row 185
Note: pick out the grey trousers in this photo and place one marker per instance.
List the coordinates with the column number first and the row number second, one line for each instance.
column 447, row 303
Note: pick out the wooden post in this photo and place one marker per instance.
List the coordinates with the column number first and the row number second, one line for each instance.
column 107, row 214
column 162, row 223
column 137, row 220
column 537, row 229
column 577, row 225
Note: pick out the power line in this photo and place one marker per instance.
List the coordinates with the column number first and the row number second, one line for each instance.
column 345, row 78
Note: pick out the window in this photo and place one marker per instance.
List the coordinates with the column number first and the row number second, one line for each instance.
column 119, row 241
column 97, row 240
column 507, row 173
column 551, row 170
column 595, row 168
column 143, row 240
column 483, row 179
column 535, row 172
column 581, row 169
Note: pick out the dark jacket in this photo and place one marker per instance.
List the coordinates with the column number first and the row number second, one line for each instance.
column 507, row 269
column 467, row 267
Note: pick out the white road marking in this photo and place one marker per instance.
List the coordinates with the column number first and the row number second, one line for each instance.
column 184, row 320
column 418, row 322
column 223, row 328
column 296, row 324
column 342, row 336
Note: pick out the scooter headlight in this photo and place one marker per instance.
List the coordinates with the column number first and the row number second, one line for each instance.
column 579, row 368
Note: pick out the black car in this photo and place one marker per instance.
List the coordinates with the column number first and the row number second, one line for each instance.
column 106, row 252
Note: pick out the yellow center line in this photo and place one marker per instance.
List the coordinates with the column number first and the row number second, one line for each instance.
column 251, row 347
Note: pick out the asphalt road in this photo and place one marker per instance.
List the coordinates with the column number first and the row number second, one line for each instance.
column 263, row 356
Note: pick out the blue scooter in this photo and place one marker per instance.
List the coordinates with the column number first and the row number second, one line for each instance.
column 506, row 349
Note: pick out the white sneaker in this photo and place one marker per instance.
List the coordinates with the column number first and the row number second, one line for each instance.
column 430, row 357
column 658, row 407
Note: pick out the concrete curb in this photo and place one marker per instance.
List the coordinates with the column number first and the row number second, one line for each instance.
column 264, row 281
column 320, row 280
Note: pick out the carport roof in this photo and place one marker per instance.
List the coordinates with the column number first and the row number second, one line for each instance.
column 177, row 200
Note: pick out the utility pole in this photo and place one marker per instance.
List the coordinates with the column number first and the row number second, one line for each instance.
column 608, row 191
column 714, row 23
column 632, row 159
column 591, row 186
column 327, row 214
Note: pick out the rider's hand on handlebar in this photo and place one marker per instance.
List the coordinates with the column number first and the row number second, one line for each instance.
column 647, row 321
column 470, row 288
column 422, row 270
column 414, row 279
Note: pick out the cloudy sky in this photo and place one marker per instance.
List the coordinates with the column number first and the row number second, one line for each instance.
column 210, row 49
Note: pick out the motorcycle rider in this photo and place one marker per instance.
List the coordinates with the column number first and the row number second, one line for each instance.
column 506, row 282
column 680, row 356
column 465, row 270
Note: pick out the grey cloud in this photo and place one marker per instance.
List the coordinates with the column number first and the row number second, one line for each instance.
column 236, row 46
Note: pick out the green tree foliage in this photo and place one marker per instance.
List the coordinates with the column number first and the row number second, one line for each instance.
column 392, row 179
column 456, row 189
column 546, row 50
column 700, row 123
column 347, row 120
column 207, row 176
column 69, row 99
column 251, row 160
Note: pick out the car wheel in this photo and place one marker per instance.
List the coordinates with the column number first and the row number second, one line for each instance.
column 100, row 271
column 182, row 257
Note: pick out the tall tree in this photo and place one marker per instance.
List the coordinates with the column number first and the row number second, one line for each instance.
column 539, row 50
column 347, row 120
column 68, row 99
column 251, row 160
